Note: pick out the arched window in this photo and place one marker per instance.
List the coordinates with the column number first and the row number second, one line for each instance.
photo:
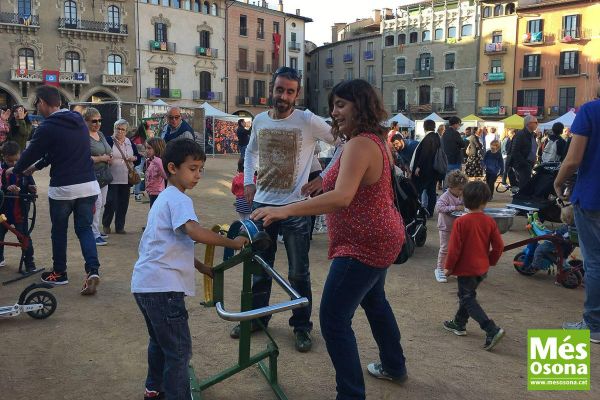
column 426, row 36
column 161, row 77
column 26, row 59
column 438, row 34
column 389, row 40
column 115, row 64
column 206, row 8
column 487, row 12
column 510, row 9
column 413, row 37
column 451, row 32
column 72, row 63
column 114, row 18
column 197, row 5
column 205, row 84
column 402, row 38
column 497, row 10
column 70, row 13
column 467, row 30
column 214, row 10
column 205, row 39
column 24, row 8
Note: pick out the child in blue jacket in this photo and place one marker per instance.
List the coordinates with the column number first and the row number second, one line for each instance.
column 494, row 165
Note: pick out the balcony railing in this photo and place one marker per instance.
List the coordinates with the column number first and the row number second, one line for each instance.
column 560, row 71
column 422, row 73
column 167, row 47
column 348, row 58
column 19, row 19
column 294, row 46
column 74, row 77
column 369, row 55
column 117, row 80
column 207, row 95
column 243, row 100
column 244, row 66
column 207, row 52
column 260, row 101
column 495, row 48
column 329, row 61
column 243, row 31
column 493, row 111
column 156, row 93
column 525, row 73
column 493, row 77
column 574, row 35
column 536, row 39
column 92, row 26
column 328, row 83
column 262, row 68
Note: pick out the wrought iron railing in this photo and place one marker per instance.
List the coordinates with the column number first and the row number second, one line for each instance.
column 93, row 26
column 19, row 19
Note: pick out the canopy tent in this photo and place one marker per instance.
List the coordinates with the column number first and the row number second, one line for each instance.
column 159, row 102
column 210, row 111
column 566, row 119
column 472, row 117
column 435, row 117
column 514, row 122
column 402, row 121
column 420, row 131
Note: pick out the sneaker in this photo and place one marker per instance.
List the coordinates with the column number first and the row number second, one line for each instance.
column 153, row 395
column 376, row 370
column 440, row 276
column 455, row 328
column 303, row 341
column 138, row 197
column 235, row 332
column 90, row 284
column 594, row 336
column 280, row 238
column 55, row 278
column 491, row 340
column 103, row 235
column 30, row 268
column 100, row 241
column 2, row 263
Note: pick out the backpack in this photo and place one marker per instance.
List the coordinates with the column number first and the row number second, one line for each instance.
column 550, row 152
column 440, row 161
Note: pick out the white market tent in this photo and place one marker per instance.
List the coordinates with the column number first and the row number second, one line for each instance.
column 402, row 121
column 210, row 111
column 566, row 119
column 160, row 102
column 420, row 131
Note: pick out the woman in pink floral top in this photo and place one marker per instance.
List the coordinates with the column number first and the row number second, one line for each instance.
column 366, row 234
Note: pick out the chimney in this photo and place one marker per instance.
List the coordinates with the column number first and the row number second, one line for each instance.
column 389, row 13
column 376, row 16
column 280, row 6
column 335, row 29
column 297, row 11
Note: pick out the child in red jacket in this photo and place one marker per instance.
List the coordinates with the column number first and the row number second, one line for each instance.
column 237, row 188
column 469, row 258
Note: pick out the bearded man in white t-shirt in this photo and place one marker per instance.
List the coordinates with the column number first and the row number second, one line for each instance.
column 281, row 149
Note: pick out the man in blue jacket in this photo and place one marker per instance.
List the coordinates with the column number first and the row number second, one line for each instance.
column 62, row 141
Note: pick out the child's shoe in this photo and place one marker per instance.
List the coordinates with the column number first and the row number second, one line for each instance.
column 153, row 395
column 455, row 328
column 440, row 276
column 492, row 338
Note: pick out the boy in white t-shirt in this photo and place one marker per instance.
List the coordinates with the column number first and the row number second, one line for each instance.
column 164, row 273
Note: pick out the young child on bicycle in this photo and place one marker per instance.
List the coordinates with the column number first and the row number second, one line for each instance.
column 469, row 258
column 16, row 209
column 447, row 203
column 155, row 175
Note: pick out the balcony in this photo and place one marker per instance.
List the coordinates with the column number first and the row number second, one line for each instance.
column 26, row 76
column 493, row 49
column 294, row 46
column 497, row 111
column 117, row 80
column 369, row 55
column 243, row 100
column 527, row 74
column 348, row 58
column 574, row 35
column 561, row 72
column 490, row 78
column 158, row 93
column 78, row 78
column 262, row 68
column 202, row 95
column 329, row 62
column 162, row 47
column 537, row 39
column 244, row 66
column 260, row 101
column 207, row 52
column 98, row 30
column 529, row 110
column 444, row 108
column 243, row 31
column 327, row 83
column 425, row 108
column 16, row 23
column 423, row 74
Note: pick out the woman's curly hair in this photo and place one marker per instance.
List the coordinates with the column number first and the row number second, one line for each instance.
column 367, row 104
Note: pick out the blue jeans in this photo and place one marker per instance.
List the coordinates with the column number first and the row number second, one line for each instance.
column 60, row 210
column 588, row 229
column 242, row 150
column 349, row 284
column 296, row 237
column 170, row 344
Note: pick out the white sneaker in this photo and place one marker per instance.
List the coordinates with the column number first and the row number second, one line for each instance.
column 440, row 276
column 280, row 238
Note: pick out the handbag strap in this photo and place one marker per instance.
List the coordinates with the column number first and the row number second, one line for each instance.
column 123, row 155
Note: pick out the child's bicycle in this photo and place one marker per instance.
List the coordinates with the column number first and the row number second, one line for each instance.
column 569, row 273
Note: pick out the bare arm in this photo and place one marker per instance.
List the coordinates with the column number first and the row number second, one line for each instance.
column 206, row 236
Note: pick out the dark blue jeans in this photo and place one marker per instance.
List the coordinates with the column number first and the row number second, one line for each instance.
column 349, row 284
column 468, row 306
column 296, row 237
column 588, row 228
column 170, row 344
column 81, row 208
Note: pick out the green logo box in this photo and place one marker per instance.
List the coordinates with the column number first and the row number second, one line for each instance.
column 558, row 359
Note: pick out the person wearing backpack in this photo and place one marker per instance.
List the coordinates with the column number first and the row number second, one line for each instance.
column 555, row 148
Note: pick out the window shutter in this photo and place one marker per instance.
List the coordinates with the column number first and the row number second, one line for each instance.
column 431, row 64
column 541, row 25
column 520, row 98
column 418, row 64
column 540, row 98
column 576, row 60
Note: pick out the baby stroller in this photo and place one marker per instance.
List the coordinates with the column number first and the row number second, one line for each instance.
column 539, row 193
column 413, row 213
column 556, row 248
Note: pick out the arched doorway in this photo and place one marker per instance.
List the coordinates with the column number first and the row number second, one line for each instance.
column 99, row 97
column 244, row 114
column 6, row 99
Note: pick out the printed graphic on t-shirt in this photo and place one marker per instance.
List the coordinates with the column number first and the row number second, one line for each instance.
column 278, row 154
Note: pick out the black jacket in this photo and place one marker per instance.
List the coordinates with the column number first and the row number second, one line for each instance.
column 243, row 136
column 521, row 149
column 424, row 156
column 453, row 145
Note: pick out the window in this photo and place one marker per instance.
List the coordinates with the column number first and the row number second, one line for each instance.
column 114, row 18
column 497, row 37
column 487, row 12
column 214, row 9
column 424, row 95
column 294, row 63
column 161, row 78
column 438, row 34
column 566, row 99
column 426, row 36
column 531, row 65
column 260, row 29
column 160, row 32
column 349, row 74
column 243, row 25
column 275, row 27
column 569, row 63
column 24, row 8
column 370, row 46
column 530, row 98
column 401, row 66
column 451, row 32
column 449, row 58
column 400, row 99
column 497, row 10
column 260, row 60
column 535, row 26
column 467, row 30
column 72, row 62
column 26, row 59
column 449, row 98
column 371, row 74
column 206, row 8
column 205, row 83
column 496, row 66
column 402, row 38
column 389, row 40
column 205, row 39
column 413, row 37
column 243, row 59
column 494, row 99
column 70, row 14
column 293, row 37
column 115, row 64
column 510, row 9
column 424, row 62
column 571, row 25
column 243, row 88
column 259, row 90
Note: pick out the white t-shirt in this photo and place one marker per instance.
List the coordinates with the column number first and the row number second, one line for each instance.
column 283, row 150
column 166, row 252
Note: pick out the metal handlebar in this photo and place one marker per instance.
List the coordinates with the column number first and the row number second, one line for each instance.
column 296, row 301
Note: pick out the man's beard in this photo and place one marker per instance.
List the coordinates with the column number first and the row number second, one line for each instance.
column 283, row 106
